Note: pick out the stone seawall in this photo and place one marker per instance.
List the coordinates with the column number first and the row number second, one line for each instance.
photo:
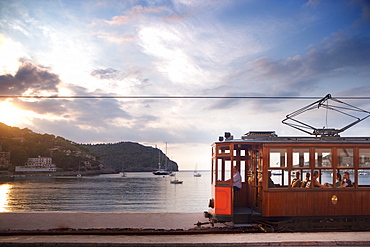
column 10, row 221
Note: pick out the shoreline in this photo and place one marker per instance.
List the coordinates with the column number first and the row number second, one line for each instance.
column 64, row 173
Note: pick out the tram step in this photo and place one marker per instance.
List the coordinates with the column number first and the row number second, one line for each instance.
column 243, row 225
column 242, row 219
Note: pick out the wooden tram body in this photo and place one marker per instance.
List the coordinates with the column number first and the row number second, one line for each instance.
column 258, row 153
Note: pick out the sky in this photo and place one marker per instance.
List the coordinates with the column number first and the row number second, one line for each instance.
column 260, row 48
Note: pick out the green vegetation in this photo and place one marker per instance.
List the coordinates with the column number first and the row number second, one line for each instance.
column 70, row 156
column 129, row 156
column 24, row 143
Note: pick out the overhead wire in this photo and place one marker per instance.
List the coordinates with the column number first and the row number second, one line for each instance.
column 171, row 97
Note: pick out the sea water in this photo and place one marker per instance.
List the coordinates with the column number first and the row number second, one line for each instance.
column 137, row 192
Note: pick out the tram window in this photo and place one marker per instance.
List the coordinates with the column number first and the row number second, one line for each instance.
column 345, row 157
column 213, row 178
column 242, row 170
column 364, row 177
column 278, row 157
column 219, row 169
column 364, row 157
column 326, row 177
column 228, row 172
column 306, row 178
column 301, row 158
column 351, row 176
column 300, row 181
column 224, row 150
column 279, row 178
column 323, row 157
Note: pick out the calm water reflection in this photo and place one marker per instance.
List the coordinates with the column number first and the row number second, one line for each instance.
column 138, row 192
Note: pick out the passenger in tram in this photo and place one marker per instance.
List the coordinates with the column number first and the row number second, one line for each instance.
column 338, row 183
column 346, row 180
column 296, row 182
column 306, row 181
column 316, row 183
column 339, row 180
column 270, row 182
column 237, row 179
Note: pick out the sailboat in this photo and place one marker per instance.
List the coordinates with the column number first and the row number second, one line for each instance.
column 122, row 173
column 161, row 171
column 78, row 174
column 196, row 173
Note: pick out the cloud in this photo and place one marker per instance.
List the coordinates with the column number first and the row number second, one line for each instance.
column 106, row 74
column 57, row 107
column 132, row 78
column 313, row 3
column 338, row 55
column 116, row 39
column 134, row 14
column 31, row 79
column 356, row 91
column 340, row 51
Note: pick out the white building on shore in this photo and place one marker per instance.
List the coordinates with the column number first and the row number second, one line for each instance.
column 39, row 164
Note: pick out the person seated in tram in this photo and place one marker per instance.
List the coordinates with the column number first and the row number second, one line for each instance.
column 296, row 182
column 306, row 181
column 316, row 183
column 338, row 182
column 346, row 180
column 270, row 182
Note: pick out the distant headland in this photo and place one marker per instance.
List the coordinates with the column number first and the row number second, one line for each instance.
column 19, row 145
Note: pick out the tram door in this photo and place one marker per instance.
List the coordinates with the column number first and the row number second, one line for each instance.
column 254, row 179
column 225, row 156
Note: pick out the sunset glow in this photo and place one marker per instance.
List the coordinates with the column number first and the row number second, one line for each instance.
column 13, row 116
column 298, row 48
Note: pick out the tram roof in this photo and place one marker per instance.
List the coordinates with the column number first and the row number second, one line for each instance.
column 271, row 137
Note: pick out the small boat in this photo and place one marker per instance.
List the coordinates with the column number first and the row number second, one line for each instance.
column 161, row 172
column 196, row 173
column 176, row 181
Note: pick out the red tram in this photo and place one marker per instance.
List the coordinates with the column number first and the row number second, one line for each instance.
column 261, row 156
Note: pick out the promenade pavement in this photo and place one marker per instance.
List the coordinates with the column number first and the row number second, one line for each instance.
column 57, row 229
column 238, row 239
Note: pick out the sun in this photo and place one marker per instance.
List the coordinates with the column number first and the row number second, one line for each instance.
column 11, row 115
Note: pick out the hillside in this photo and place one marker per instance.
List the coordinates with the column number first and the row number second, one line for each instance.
column 129, row 156
column 70, row 156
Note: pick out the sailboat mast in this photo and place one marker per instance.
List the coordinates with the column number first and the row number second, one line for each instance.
column 166, row 163
column 159, row 158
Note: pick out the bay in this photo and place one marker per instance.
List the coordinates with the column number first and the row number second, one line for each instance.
column 137, row 192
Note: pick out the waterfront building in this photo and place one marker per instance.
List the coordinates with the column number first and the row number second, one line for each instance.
column 39, row 164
